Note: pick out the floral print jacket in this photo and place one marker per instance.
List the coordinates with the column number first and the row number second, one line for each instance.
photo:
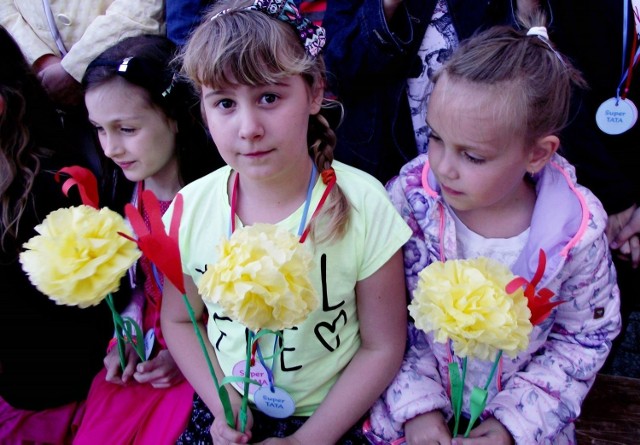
column 537, row 395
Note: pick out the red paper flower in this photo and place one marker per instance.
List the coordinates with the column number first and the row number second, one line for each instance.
column 86, row 182
column 161, row 249
column 540, row 304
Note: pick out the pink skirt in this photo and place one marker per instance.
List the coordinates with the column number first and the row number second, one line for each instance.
column 54, row 426
column 134, row 414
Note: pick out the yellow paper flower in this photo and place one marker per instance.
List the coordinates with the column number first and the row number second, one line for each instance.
column 78, row 258
column 466, row 301
column 261, row 278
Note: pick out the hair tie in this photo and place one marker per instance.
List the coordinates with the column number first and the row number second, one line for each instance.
column 328, row 175
column 539, row 31
column 312, row 37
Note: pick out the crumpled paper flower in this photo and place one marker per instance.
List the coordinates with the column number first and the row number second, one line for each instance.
column 466, row 301
column 78, row 258
column 261, row 278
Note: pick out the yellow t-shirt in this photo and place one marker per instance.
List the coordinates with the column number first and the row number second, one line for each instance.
column 315, row 352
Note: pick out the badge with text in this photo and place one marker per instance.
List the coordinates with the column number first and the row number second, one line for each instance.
column 616, row 115
column 149, row 340
column 257, row 372
column 274, row 402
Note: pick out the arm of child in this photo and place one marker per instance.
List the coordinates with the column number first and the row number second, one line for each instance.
column 185, row 348
column 539, row 401
column 383, row 319
column 418, row 387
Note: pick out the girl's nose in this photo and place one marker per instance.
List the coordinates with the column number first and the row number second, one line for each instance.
column 444, row 163
column 110, row 145
column 250, row 126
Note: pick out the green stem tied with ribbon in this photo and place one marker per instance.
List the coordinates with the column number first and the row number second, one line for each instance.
column 478, row 399
column 246, row 380
column 132, row 333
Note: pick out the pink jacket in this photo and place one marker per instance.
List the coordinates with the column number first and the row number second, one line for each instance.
column 537, row 395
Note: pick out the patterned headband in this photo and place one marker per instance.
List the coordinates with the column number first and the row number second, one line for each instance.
column 313, row 37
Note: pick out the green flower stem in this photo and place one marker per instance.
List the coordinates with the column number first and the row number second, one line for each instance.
column 222, row 391
column 461, row 393
column 456, row 394
column 126, row 324
column 493, row 369
column 117, row 323
column 479, row 396
column 247, row 374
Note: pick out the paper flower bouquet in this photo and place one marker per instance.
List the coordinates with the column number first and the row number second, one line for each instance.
column 261, row 280
column 484, row 311
column 78, row 256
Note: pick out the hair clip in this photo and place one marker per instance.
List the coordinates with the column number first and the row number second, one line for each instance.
column 167, row 90
column 223, row 12
column 313, row 37
column 124, row 65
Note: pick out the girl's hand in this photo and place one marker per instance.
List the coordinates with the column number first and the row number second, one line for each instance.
column 489, row 432
column 291, row 440
column 223, row 434
column 160, row 372
column 615, row 223
column 623, row 231
column 427, row 429
column 114, row 370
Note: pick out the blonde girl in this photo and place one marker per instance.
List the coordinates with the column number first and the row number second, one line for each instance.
column 261, row 79
column 493, row 185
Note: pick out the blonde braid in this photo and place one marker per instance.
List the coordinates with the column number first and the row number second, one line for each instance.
column 335, row 213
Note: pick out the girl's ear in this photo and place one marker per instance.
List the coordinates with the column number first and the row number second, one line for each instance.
column 173, row 125
column 317, row 94
column 541, row 152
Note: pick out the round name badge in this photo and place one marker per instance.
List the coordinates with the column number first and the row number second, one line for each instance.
column 615, row 116
column 257, row 372
column 149, row 340
column 275, row 403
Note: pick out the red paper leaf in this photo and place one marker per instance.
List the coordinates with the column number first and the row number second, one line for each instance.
column 540, row 304
column 86, row 182
column 161, row 249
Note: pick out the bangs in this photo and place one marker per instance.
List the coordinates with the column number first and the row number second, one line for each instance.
column 244, row 47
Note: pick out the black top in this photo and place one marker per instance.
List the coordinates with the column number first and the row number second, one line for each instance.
column 590, row 33
column 49, row 354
